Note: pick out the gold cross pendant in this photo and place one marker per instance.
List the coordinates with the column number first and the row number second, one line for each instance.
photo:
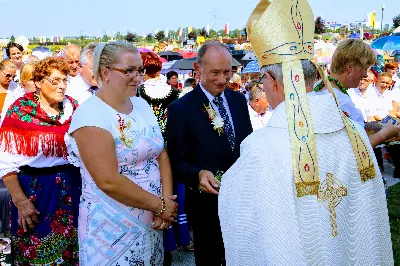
column 330, row 194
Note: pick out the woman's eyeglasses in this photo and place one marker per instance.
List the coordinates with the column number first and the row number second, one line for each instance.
column 55, row 82
column 9, row 76
column 130, row 71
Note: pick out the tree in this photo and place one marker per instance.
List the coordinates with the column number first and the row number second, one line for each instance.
column 150, row 37
column 12, row 38
column 192, row 35
column 213, row 33
column 396, row 21
column 131, row 37
column 203, row 33
column 105, row 38
column 160, row 36
column 320, row 27
column 119, row 36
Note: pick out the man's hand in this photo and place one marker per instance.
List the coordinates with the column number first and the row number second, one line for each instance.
column 208, row 183
column 389, row 130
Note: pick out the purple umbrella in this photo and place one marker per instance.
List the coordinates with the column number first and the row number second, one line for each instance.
column 145, row 50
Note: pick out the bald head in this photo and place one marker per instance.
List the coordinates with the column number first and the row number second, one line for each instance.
column 71, row 57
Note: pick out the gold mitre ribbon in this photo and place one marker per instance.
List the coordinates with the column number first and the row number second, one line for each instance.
column 282, row 31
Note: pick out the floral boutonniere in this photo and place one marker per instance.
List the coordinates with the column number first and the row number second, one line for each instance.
column 215, row 119
column 124, row 130
column 218, row 178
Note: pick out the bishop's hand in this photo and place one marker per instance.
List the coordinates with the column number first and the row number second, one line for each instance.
column 208, row 183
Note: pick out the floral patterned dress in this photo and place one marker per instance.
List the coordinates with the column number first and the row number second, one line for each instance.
column 159, row 105
column 32, row 145
column 111, row 233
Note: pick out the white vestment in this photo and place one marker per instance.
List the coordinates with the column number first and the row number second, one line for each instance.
column 263, row 222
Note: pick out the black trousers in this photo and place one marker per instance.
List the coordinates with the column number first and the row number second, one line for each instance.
column 203, row 214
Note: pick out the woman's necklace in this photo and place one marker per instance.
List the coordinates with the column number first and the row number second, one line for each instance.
column 60, row 107
column 336, row 82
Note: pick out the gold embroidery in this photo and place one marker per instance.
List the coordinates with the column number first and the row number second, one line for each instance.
column 307, row 188
column 330, row 194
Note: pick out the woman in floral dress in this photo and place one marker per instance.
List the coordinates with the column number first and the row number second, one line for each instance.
column 44, row 187
column 155, row 91
column 127, row 181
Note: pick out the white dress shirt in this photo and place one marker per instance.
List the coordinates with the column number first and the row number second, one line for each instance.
column 258, row 121
column 78, row 89
column 382, row 103
column 215, row 107
column 362, row 101
column 346, row 105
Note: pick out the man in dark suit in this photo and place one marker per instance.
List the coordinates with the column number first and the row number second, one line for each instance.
column 203, row 142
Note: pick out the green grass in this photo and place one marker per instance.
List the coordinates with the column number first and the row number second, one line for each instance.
column 394, row 217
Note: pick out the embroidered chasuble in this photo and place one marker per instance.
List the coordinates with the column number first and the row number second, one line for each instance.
column 264, row 222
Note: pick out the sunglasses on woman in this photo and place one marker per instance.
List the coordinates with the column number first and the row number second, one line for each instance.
column 8, row 75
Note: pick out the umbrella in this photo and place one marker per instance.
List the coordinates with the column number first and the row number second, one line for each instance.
column 187, row 54
column 252, row 67
column 188, row 64
column 167, row 65
column 249, row 57
column 171, row 55
column 355, row 36
column 387, row 43
column 41, row 49
column 145, row 50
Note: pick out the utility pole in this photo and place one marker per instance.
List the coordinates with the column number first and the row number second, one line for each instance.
column 383, row 9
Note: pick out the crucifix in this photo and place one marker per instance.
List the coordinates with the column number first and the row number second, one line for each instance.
column 330, row 194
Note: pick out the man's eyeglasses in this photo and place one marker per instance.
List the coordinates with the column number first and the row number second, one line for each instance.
column 264, row 76
column 8, row 75
column 130, row 71
column 55, row 82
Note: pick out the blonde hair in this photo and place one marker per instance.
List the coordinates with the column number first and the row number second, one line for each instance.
column 27, row 72
column 106, row 54
column 6, row 63
column 353, row 52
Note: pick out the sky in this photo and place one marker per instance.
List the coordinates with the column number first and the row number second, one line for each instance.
column 84, row 17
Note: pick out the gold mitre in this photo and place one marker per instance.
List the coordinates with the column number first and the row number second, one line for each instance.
column 280, row 31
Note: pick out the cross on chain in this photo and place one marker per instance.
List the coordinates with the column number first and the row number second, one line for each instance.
column 330, row 194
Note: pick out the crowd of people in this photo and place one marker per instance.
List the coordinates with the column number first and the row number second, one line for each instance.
column 108, row 162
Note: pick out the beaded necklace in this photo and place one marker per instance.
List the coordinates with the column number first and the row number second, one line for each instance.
column 60, row 105
column 337, row 83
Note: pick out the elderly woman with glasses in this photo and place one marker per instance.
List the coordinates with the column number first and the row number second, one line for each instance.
column 44, row 187
column 126, row 175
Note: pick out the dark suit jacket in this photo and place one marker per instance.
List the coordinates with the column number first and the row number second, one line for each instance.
column 193, row 144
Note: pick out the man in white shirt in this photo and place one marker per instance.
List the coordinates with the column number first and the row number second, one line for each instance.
column 71, row 54
column 361, row 96
column 84, row 85
column 382, row 101
column 258, row 108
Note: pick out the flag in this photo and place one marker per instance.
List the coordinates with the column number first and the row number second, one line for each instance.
column 226, row 29
column 180, row 32
column 190, row 29
column 371, row 19
column 208, row 29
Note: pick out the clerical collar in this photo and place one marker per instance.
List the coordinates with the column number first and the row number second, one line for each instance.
column 337, row 83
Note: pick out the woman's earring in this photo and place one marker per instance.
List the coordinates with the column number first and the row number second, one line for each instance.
column 106, row 80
